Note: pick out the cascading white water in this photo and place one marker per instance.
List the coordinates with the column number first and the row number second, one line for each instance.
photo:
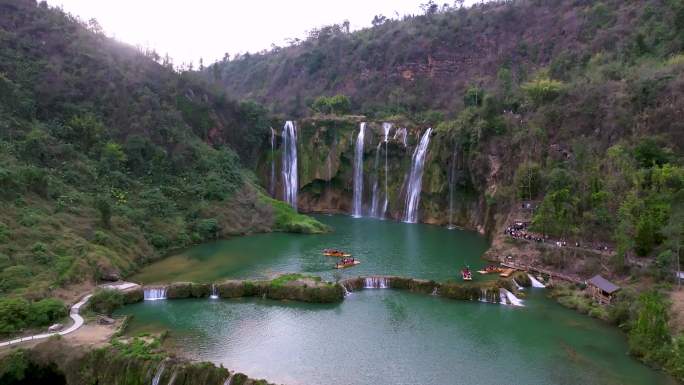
column 517, row 285
column 535, row 281
column 173, row 378
column 376, row 283
column 375, row 196
column 346, row 291
column 452, row 179
column 386, row 127
column 401, row 134
column 290, row 181
column 214, row 292
column 415, row 180
column 229, row 379
column 272, row 187
column 357, row 203
column 435, row 291
column 512, row 299
column 158, row 374
column 502, row 298
column 154, row 293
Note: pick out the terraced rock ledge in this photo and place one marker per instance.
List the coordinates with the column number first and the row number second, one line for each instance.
column 303, row 288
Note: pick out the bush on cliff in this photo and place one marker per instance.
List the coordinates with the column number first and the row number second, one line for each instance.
column 288, row 220
column 106, row 301
column 17, row 313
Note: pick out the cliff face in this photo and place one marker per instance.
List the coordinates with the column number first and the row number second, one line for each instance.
column 326, row 151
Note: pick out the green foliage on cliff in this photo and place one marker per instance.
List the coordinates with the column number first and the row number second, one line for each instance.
column 106, row 301
column 17, row 314
column 287, row 219
column 110, row 158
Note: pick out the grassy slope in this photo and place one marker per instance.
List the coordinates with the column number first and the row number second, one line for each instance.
column 109, row 159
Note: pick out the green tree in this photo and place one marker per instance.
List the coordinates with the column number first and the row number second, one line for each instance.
column 105, row 209
column 649, row 336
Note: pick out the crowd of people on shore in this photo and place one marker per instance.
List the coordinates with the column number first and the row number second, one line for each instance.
column 519, row 230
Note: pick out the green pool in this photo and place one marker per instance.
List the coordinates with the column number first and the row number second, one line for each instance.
column 380, row 337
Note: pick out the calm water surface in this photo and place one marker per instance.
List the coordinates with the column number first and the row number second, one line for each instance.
column 380, row 337
column 384, row 247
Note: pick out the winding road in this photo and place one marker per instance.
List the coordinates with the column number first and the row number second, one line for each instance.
column 73, row 313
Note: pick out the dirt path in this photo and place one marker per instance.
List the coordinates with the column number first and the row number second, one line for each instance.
column 677, row 311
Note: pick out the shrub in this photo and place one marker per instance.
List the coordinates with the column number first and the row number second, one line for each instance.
column 542, row 90
column 17, row 313
column 338, row 104
column 106, row 301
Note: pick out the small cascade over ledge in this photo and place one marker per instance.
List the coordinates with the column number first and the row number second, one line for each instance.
column 535, row 281
column 214, row 292
column 511, row 298
column 386, row 127
column 357, row 203
column 289, row 170
column 376, row 283
column 158, row 374
column 415, row 179
column 154, row 293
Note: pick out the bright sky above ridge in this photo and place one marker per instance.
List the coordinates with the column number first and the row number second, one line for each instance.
column 188, row 30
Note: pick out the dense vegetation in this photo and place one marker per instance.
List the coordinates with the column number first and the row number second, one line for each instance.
column 584, row 117
column 109, row 158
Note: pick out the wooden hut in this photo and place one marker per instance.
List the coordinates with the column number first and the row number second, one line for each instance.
column 602, row 289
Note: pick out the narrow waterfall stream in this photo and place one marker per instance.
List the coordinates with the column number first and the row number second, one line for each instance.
column 535, row 281
column 386, row 127
column 290, row 181
column 154, row 293
column 415, row 180
column 158, row 374
column 376, row 283
column 357, row 207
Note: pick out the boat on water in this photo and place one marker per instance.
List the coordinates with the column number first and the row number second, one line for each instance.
column 506, row 273
column 335, row 253
column 345, row 263
column 491, row 269
column 467, row 274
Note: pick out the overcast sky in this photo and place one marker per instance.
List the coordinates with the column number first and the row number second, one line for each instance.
column 188, row 30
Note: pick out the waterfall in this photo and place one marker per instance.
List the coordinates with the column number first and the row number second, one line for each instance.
column 535, row 281
column 229, row 379
column 386, row 127
column 401, row 134
column 415, row 181
column 452, row 179
column 375, row 196
column 154, row 293
column 512, row 299
column 517, row 285
column 357, row 208
column 346, row 291
column 158, row 374
column 502, row 297
column 290, row 163
column 173, row 378
column 376, row 283
column 273, row 181
column 214, row 292
column 435, row 291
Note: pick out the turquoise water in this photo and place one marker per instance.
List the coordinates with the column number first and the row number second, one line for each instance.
column 380, row 337
column 384, row 247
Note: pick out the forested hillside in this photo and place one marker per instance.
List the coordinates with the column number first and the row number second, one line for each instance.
column 109, row 159
column 575, row 105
